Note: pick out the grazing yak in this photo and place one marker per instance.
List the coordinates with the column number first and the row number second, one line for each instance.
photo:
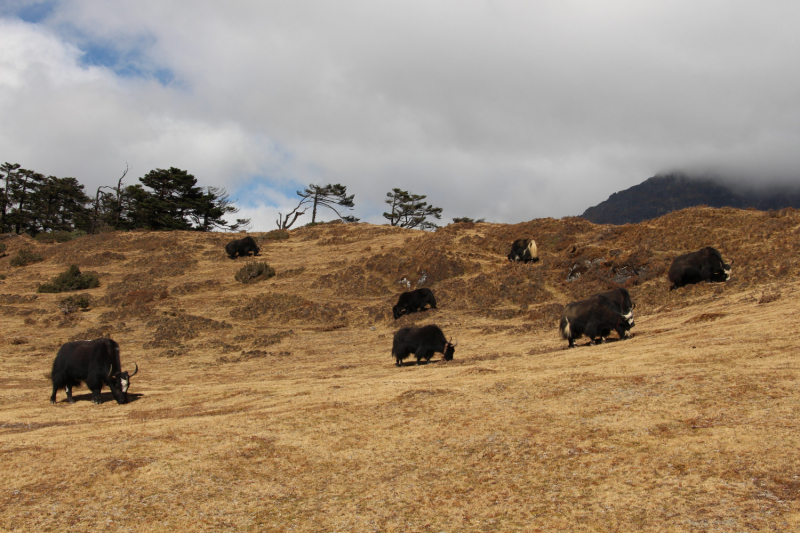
column 413, row 301
column 423, row 343
column 242, row 247
column 620, row 299
column 597, row 317
column 702, row 265
column 524, row 250
column 93, row 362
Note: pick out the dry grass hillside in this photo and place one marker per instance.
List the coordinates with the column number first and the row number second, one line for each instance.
column 276, row 406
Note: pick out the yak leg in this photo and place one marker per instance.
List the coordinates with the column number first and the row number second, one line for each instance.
column 68, row 390
column 594, row 330
column 95, row 384
column 53, row 396
column 96, row 396
column 424, row 353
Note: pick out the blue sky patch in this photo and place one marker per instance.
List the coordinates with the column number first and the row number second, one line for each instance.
column 32, row 13
column 250, row 193
column 130, row 62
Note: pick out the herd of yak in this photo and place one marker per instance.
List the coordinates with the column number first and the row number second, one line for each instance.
column 97, row 362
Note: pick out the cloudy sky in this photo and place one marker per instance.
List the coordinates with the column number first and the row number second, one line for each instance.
column 504, row 110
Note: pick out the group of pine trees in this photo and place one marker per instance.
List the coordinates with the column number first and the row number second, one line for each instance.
column 166, row 200
column 408, row 210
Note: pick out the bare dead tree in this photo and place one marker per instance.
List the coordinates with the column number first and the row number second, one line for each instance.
column 283, row 222
column 119, row 195
column 118, row 189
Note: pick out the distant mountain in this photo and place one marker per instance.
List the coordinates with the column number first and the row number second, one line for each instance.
column 660, row 195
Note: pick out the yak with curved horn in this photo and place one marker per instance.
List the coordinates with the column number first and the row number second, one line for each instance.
column 95, row 363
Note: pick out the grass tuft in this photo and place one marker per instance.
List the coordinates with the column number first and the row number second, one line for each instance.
column 276, row 235
column 254, row 271
column 70, row 304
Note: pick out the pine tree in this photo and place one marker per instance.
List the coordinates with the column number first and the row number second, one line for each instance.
column 21, row 189
column 409, row 210
column 210, row 209
column 57, row 204
column 7, row 170
column 175, row 203
column 330, row 196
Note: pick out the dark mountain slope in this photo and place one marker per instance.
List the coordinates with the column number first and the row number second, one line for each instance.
column 660, row 195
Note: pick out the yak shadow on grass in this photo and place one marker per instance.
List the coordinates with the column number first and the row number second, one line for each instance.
column 413, row 362
column 104, row 397
column 589, row 344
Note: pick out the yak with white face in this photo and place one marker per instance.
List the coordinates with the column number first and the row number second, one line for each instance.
column 93, row 362
column 702, row 265
column 620, row 301
column 596, row 318
column 524, row 250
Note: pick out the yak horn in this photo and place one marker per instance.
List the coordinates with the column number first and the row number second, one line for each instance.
column 453, row 343
column 135, row 371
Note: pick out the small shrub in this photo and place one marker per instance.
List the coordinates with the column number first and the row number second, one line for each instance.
column 2, row 276
column 767, row 297
column 59, row 236
column 25, row 257
column 3, row 248
column 254, row 271
column 70, row 304
column 71, row 280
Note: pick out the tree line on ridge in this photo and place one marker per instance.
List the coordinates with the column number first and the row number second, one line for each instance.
column 168, row 199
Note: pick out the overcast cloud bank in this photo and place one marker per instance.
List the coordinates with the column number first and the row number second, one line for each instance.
column 502, row 110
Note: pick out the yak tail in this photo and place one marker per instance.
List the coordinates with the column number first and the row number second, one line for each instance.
column 564, row 329
column 533, row 251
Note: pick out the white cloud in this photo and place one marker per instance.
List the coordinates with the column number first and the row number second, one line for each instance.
column 503, row 110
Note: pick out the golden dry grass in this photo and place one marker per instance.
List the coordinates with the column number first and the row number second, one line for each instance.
column 277, row 406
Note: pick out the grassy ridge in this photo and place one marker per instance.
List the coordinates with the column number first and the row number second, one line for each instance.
column 277, row 405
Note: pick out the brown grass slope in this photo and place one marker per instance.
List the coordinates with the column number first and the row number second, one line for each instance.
column 276, row 406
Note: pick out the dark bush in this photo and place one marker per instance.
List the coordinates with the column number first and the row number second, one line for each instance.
column 70, row 304
column 59, row 236
column 25, row 257
column 254, row 271
column 71, row 280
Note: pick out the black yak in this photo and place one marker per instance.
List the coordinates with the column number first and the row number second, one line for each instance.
column 93, row 362
column 423, row 343
column 702, row 265
column 595, row 317
column 413, row 301
column 242, row 247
